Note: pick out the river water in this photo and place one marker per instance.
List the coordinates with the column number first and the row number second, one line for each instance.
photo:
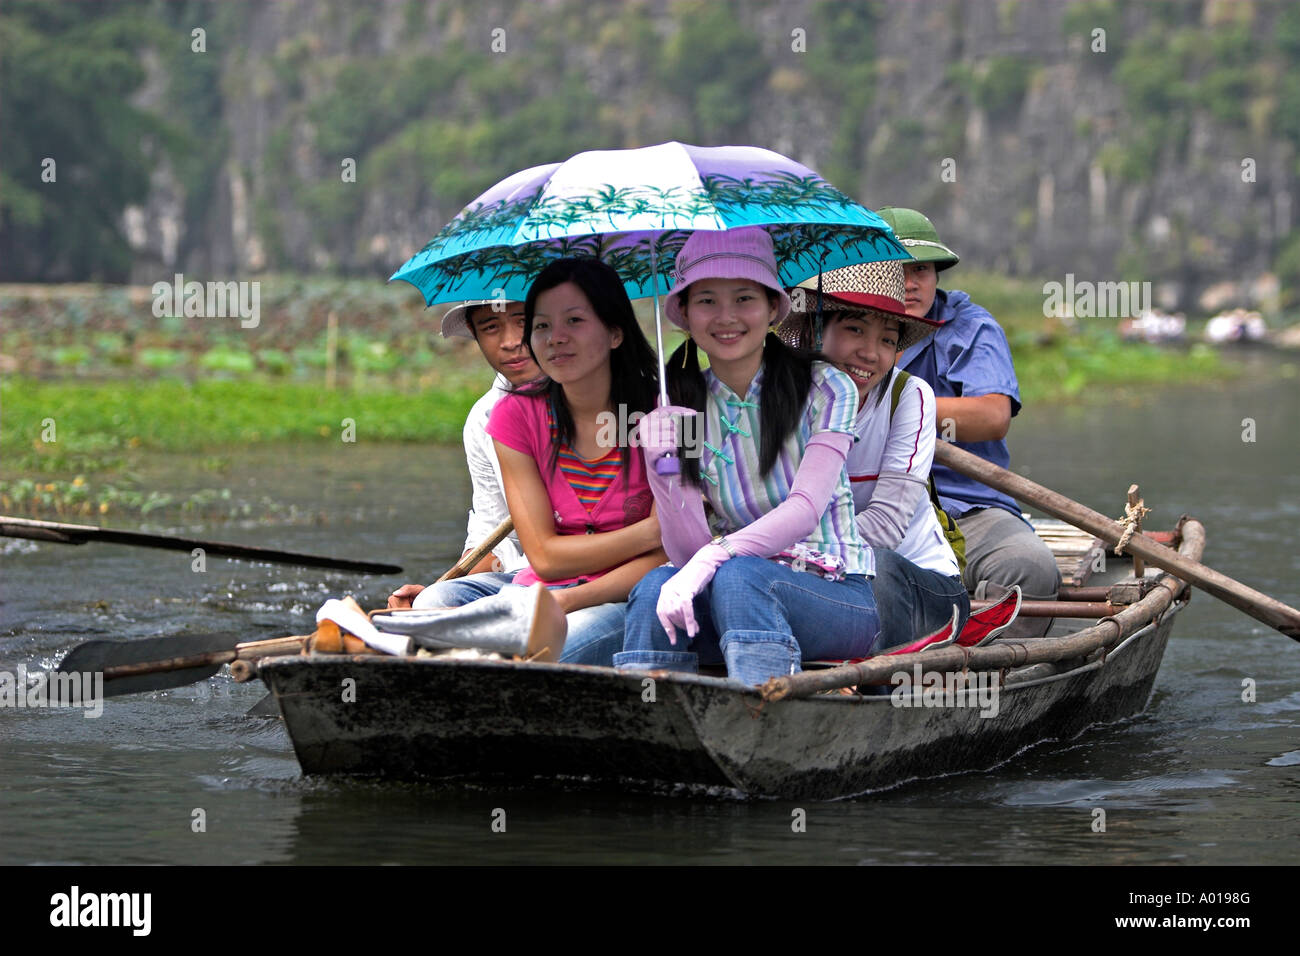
column 1201, row 777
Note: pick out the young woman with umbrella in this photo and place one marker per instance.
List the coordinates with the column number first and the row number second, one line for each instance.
column 779, row 573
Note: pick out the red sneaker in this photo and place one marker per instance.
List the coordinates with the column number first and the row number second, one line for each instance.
column 940, row 638
column 987, row 624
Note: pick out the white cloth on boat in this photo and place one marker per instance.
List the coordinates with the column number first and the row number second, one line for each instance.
column 356, row 623
column 488, row 505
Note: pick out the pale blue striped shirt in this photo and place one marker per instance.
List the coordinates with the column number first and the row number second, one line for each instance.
column 738, row 495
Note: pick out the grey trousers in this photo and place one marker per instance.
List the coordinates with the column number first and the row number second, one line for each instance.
column 1002, row 550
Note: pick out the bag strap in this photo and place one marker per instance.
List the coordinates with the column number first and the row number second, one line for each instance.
column 896, row 393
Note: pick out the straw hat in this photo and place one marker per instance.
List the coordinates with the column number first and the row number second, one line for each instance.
column 866, row 288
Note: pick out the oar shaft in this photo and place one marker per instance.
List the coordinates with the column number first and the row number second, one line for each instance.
column 1056, row 608
column 462, row 567
column 276, row 647
column 81, row 533
column 1258, row 605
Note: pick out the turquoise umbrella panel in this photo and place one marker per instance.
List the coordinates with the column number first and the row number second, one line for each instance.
column 508, row 271
column 634, row 210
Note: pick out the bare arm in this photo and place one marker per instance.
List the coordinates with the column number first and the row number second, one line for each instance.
column 554, row 556
column 982, row 418
column 615, row 586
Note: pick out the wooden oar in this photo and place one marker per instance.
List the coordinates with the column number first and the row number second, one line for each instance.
column 1260, row 606
column 81, row 533
column 462, row 567
column 190, row 664
column 157, row 663
column 152, row 663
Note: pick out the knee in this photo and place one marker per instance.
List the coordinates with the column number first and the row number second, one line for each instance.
column 1037, row 576
column 444, row 594
column 649, row 586
column 1042, row 577
column 744, row 573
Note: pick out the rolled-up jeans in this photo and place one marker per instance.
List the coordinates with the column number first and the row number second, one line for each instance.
column 759, row 617
column 595, row 634
column 912, row 601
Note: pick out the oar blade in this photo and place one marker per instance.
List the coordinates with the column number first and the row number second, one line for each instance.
column 101, row 655
column 95, row 657
column 161, row 680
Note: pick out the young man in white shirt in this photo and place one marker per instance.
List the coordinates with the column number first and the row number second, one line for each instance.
column 498, row 328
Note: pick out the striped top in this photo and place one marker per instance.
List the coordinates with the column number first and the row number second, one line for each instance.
column 522, row 423
column 588, row 479
column 737, row 494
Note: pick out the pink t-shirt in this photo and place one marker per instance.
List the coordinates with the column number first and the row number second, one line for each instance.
column 522, row 422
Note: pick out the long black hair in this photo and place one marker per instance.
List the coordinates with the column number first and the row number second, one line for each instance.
column 633, row 381
column 787, row 380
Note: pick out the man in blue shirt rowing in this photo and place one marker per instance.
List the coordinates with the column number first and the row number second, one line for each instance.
column 967, row 362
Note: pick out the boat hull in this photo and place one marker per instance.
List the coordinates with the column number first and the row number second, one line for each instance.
column 441, row 719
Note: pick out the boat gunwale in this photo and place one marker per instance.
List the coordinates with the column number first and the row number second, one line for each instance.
column 1161, row 601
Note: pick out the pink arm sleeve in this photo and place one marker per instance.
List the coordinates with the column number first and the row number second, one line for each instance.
column 682, row 524
column 795, row 518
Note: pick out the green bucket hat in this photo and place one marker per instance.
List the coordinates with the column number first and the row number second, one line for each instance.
column 919, row 237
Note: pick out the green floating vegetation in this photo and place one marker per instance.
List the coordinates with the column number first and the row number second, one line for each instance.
column 1073, row 368
column 93, row 424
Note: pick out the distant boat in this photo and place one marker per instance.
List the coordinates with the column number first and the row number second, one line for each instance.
column 1155, row 327
column 1235, row 326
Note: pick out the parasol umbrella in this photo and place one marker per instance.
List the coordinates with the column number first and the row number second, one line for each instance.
column 634, row 209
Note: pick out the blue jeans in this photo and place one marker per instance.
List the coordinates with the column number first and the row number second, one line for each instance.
column 758, row 617
column 462, row 590
column 595, row 633
column 912, row 601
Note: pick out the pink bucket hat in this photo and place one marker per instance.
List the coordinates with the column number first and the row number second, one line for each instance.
column 745, row 253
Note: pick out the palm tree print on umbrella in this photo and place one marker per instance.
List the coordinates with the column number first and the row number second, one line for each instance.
column 634, row 210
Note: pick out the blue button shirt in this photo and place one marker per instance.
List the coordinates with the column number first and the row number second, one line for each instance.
column 965, row 358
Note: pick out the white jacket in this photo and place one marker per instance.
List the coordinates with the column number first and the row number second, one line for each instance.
column 903, row 452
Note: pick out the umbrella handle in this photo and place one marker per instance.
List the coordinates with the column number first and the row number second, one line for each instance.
column 668, row 465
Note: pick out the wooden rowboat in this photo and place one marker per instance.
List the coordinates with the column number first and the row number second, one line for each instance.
column 514, row 722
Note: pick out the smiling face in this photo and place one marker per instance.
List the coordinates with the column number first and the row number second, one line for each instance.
column 864, row 344
column 569, row 339
column 920, row 282
column 729, row 319
column 500, row 337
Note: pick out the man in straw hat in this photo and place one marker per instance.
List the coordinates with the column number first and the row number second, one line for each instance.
column 968, row 364
column 866, row 327
column 497, row 327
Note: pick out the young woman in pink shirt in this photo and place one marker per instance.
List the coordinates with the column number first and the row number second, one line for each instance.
column 580, row 501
